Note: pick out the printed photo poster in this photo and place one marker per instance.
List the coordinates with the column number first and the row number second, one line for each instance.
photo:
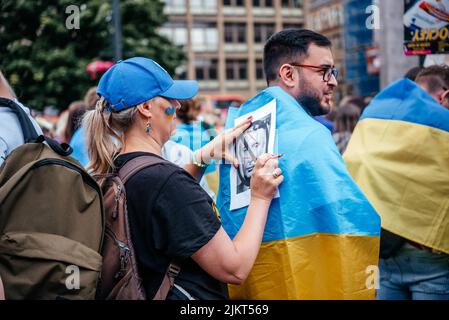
column 255, row 141
column 426, row 27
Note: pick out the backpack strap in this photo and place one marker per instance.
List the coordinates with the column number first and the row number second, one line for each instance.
column 125, row 173
column 168, row 281
column 29, row 132
column 135, row 165
column 63, row 149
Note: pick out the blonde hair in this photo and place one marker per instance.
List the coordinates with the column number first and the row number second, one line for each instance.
column 102, row 128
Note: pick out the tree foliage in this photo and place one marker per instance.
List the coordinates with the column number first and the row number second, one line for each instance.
column 46, row 62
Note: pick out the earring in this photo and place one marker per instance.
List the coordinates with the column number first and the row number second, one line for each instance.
column 148, row 128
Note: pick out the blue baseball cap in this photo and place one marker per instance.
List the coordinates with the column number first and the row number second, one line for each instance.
column 136, row 80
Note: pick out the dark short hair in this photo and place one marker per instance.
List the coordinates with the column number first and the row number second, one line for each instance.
column 76, row 111
column 286, row 45
column 189, row 110
column 434, row 77
column 262, row 123
column 413, row 73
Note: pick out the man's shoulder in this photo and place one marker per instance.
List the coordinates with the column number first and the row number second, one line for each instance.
column 313, row 144
column 9, row 124
column 6, row 112
column 9, row 120
column 307, row 131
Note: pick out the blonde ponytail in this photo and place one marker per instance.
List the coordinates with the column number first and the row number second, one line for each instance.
column 104, row 135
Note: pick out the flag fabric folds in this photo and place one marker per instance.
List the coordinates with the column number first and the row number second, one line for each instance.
column 399, row 156
column 322, row 236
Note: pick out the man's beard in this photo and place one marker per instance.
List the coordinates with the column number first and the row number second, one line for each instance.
column 310, row 100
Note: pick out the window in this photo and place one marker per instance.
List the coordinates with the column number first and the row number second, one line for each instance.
column 206, row 69
column 175, row 32
column 181, row 72
column 175, row 4
column 292, row 3
column 326, row 18
column 234, row 3
column 259, row 70
column 337, row 41
column 262, row 3
column 235, row 32
column 292, row 26
column 199, row 73
column 196, row 5
column 236, row 69
column 205, row 36
column 262, row 31
column 213, row 71
column 337, row 15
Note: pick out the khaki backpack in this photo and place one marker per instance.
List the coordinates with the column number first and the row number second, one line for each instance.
column 120, row 278
column 51, row 220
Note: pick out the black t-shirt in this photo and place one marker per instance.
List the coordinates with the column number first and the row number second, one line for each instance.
column 171, row 217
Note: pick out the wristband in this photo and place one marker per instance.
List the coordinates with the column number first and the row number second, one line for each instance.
column 197, row 163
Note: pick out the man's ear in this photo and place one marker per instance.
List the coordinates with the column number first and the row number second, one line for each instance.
column 444, row 99
column 287, row 75
column 145, row 110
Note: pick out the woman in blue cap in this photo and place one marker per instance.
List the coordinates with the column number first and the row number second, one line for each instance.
column 171, row 217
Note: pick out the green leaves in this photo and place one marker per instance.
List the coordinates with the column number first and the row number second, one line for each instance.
column 46, row 62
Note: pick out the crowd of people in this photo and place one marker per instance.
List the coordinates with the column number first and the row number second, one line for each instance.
column 329, row 201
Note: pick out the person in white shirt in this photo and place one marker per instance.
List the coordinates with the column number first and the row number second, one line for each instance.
column 11, row 135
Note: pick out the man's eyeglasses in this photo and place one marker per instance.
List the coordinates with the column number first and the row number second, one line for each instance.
column 328, row 72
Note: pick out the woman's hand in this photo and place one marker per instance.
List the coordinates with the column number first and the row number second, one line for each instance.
column 266, row 177
column 220, row 147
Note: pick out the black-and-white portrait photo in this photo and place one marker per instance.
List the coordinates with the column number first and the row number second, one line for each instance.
column 258, row 139
column 248, row 147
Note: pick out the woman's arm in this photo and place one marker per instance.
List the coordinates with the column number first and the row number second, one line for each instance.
column 229, row 260
column 195, row 171
column 232, row 260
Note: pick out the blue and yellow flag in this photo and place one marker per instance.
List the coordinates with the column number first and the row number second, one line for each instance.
column 399, row 156
column 321, row 240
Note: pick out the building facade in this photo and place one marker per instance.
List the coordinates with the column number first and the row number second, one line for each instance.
column 224, row 39
column 362, row 78
column 356, row 45
column 327, row 18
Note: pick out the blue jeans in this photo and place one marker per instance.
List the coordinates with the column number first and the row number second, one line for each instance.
column 414, row 274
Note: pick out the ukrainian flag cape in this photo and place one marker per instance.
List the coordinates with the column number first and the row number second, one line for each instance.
column 321, row 240
column 399, row 156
